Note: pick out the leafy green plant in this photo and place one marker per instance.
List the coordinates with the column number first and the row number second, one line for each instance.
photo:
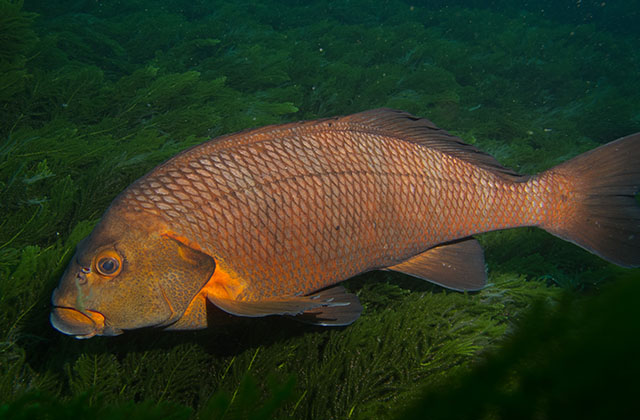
column 553, row 366
column 95, row 94
column 17, row 38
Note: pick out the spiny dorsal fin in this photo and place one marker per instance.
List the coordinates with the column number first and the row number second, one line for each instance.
column 407, row 127
column 457, row 265
column 381, row 121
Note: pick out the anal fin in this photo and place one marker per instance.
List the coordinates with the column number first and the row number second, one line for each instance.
column 456, row 265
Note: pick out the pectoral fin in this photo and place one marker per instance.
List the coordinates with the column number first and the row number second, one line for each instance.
column 337, row 315
column 457, row 265
column 328, row 307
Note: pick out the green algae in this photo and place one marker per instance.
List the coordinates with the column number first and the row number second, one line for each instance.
column 17, row 38
column 92, row 106
column 553, row 366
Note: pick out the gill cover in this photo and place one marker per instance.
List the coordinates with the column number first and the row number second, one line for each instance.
column 183, row 274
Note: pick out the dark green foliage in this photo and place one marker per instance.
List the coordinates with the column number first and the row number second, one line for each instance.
column 245, row 402
column 17, row 38
column 575, row 359
column 17, row 34
column 37, row 405
column 94, row 94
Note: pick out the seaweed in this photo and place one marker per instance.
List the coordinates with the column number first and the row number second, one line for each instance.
column 553, row 366
column 97, row 93
column 17, row 39
column 245, row 402
column 17, row 35
column 45, row 406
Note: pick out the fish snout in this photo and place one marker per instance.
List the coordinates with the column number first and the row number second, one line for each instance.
column 81, row 324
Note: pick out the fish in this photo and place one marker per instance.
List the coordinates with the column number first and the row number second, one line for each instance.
column 270, row 221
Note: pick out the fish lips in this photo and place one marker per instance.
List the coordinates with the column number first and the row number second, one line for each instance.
column 84, row 324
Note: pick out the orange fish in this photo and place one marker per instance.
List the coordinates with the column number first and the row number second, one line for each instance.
column 268, row 221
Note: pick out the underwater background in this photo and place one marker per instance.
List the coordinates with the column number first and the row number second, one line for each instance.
column 93, row 94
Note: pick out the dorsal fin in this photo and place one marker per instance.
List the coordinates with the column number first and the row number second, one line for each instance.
column 385, row 122
column 407, row 127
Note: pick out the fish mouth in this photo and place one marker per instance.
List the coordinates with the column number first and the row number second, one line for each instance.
column 84, row 324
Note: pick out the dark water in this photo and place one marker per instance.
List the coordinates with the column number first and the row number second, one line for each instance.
column 93, row 94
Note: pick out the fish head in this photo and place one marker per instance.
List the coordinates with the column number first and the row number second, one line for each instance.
column 127, row 275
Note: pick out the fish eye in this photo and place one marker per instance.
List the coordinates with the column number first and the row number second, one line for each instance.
column 108, row 264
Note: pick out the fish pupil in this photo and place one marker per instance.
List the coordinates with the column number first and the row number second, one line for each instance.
column 108, row 265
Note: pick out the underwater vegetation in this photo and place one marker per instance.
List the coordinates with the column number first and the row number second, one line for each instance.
column 569, row 360
column 93, row 95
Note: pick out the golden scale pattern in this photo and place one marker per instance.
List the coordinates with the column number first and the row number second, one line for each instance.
column 296, row 209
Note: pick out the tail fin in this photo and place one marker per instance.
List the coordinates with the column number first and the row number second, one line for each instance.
column 604, row 216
